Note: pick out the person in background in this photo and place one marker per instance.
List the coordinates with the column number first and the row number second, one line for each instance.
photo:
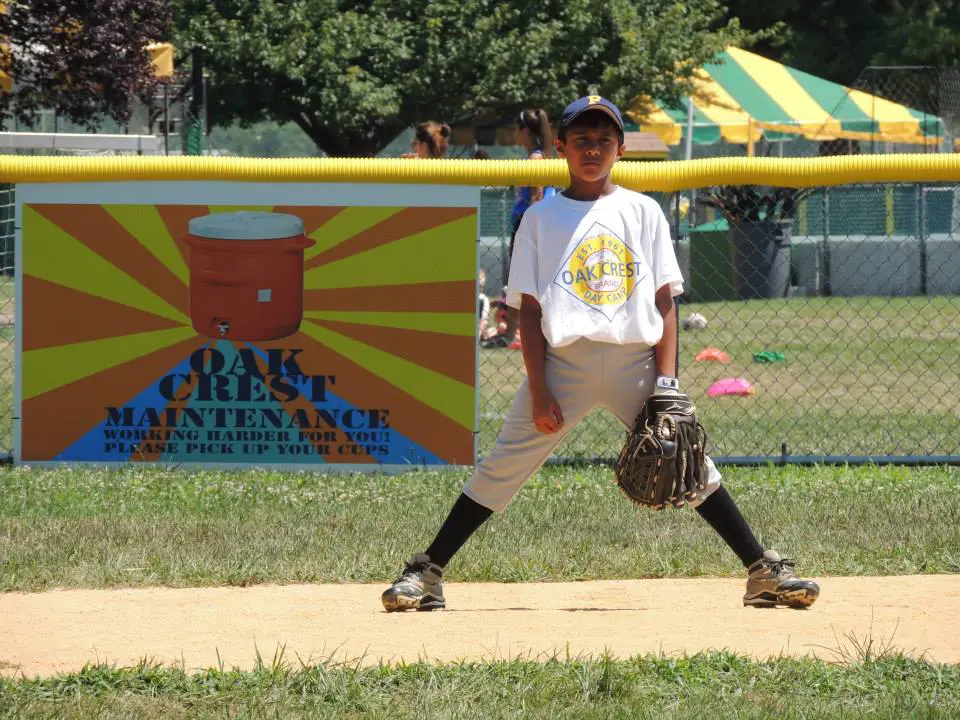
column 484, row 331
column 534, row 134
column 497, row 333
column 430, row 141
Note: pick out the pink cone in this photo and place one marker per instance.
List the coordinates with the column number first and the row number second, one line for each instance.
column 731, row 386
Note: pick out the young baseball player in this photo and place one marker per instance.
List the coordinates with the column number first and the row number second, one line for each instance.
column 594, row 275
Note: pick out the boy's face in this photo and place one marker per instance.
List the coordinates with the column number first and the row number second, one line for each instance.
column 591, row 150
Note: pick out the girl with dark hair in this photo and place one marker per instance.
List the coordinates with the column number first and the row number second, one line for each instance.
column 533, row 132
column 430, row 141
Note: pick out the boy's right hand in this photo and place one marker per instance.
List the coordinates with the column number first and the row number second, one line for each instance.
column 547, row 415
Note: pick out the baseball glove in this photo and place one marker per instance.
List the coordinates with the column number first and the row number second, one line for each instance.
column 663, row 461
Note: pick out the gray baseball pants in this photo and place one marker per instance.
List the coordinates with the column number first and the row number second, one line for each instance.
column 583, row 375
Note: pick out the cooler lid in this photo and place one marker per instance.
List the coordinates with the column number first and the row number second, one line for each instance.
column 246, row 225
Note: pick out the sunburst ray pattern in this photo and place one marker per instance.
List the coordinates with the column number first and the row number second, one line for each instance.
column 112, row 369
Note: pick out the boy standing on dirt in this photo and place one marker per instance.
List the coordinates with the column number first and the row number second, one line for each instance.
column 594, row 276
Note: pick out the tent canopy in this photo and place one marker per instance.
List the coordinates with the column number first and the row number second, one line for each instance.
column 746, row 96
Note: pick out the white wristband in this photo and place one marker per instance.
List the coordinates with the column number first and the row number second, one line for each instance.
column 668, row 383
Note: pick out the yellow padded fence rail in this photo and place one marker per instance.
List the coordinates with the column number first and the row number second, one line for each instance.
column 661, row 176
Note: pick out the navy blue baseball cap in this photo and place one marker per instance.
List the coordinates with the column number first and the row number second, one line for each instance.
column 591, row 103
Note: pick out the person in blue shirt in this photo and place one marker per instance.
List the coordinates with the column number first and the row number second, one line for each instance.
column 535, row 135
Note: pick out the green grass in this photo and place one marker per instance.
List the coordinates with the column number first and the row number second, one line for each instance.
column 140, row 526
column 863, row 376
column 150, row 526
column 714, row 685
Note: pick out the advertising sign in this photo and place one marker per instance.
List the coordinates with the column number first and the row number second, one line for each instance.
column 246, row 324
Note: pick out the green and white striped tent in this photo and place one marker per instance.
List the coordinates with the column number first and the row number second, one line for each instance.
column 746, row 96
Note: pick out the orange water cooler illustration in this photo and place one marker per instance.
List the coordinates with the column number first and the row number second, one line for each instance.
column 246, row 275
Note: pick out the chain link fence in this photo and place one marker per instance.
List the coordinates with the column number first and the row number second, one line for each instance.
column 830, row 319
column 932, row 92
column 830, row 329
column 834, row 322
column 819, row 324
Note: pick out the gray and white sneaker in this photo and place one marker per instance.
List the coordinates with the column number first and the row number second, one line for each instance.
column 420, row 587
column 772, row 582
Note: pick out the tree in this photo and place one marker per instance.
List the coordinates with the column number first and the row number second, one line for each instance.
column 843, row 37
column 266, row 139
column 922, row 33
column 86, row 59
column 354, row 73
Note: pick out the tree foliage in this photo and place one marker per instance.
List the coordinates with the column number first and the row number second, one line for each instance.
column 842, row 37
column 86, row 59
column 265, row 139
column 354, row 73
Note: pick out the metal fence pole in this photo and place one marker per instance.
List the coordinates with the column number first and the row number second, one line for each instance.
column 826, row 289
column 922, row 235
column 504, row 260
column 166, row 119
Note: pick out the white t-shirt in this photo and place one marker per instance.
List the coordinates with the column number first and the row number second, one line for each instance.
column 483, row 309
column 595, row 267
column 483, row 306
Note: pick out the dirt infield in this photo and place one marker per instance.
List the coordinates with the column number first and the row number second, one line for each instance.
column 60, row 631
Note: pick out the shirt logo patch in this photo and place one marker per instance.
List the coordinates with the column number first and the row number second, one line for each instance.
column 602, row 271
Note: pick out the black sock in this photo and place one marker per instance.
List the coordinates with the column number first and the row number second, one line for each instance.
column 724, row 516
column 463, row 520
